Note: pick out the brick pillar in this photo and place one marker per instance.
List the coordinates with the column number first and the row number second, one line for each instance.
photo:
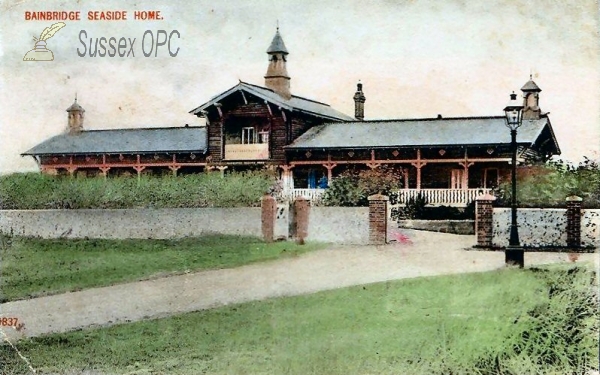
column 301, row 215
column 573, row 221
column 268, row 207
column 378, row 219
column 483, row 219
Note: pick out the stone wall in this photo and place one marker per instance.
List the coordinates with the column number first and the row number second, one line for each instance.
column 345, row 225
column 132, row 223
column 540, row 227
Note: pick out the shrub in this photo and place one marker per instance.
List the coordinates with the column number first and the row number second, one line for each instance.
column 37, row 191
column 414, row 208
column 344, row 191
column 548, row 185
column 352, row 187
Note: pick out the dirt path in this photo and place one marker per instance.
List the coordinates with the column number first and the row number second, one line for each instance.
column 424, row 254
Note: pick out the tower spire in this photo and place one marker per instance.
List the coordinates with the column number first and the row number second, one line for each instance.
column 75, row 118
column 531, row 100
column 277, row 78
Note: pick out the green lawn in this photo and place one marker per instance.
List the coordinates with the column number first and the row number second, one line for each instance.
column 519, row 321
column 32, row 267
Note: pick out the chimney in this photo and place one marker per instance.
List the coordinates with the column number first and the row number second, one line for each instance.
column 359, row 103
column 75, row 118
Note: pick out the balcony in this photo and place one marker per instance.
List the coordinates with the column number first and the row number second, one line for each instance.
column 256, row 151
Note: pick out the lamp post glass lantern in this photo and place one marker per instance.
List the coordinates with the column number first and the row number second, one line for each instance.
column 514, row 118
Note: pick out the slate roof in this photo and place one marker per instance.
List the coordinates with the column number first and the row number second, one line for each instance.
column 277, row 44
column 418, row 132
column 531, row 86
column 75, row 107
column 123, row 141
column 295, row 103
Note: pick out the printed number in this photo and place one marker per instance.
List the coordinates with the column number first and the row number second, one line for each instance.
column 9, row 322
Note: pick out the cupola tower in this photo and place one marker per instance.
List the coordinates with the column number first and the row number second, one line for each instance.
column 531, row 100
column 75, row 118
column 277, row 78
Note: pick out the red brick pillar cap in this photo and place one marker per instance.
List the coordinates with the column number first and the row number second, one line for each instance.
column 300, row 199
column 574, row 198
column 267, row 197
column 486, row 197
column 379, row 197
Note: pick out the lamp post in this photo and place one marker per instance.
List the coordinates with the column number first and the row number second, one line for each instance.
column 513, row 254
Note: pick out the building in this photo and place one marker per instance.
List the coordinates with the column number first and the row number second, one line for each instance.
column 449, row 160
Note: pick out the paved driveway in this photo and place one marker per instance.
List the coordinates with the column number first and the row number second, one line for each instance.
column 419, row 254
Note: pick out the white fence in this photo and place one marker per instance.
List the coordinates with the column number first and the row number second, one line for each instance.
column 439, row 197
column 434, row 197
column 313, row 195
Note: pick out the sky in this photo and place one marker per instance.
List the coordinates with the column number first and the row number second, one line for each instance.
column 415, row 59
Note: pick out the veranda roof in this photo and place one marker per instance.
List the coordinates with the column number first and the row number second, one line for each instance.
column 419, row 132
column 123, row 141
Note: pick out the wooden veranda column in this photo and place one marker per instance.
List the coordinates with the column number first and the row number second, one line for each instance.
column 465, row 178
column 104, row 171
column 329, row 166
column 287, row 178
column 418, row 165
column 222, row 169
column 174, row 169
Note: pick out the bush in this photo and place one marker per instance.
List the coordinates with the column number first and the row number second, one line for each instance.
column 352, row 187
column 548, row 185
column 414, row 208
column 37, row 191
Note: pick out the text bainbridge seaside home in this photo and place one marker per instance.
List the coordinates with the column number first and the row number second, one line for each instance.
column 94, row 15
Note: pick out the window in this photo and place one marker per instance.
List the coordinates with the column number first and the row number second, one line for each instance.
column 263, row 137
column 248, row 136
column 457, row 179
column 490, row 178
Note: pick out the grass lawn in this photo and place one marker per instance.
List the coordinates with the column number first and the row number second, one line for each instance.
column 33, row 267
column 438, row 325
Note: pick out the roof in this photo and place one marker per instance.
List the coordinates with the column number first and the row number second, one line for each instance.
column 122, row 141
column 75, row 107
column 277, row 44
column 294, row 103
column 531, row 86
column 457, row 131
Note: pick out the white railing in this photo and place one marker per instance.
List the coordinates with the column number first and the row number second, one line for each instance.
column 256, row 151
column 310, row 194
column 438, row 197
column 434, row 197
column 313, row 195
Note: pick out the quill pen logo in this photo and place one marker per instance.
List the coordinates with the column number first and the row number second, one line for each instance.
column 40, row 52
